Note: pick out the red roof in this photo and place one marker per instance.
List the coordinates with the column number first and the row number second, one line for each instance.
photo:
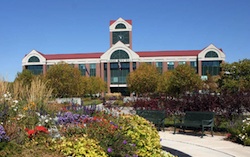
column 140, row 53
column 168, row 53
column 72, row 56
column 113, row 21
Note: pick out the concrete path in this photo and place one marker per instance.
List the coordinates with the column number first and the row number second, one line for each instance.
column 186, row 145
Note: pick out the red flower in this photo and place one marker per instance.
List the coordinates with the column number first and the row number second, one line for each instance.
column 30, row 132
column 42, row 129
column 37, row 129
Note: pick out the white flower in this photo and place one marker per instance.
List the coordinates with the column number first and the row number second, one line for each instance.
column 37, row 113
column 46, row 121
column 56, row 119
column 21, row 115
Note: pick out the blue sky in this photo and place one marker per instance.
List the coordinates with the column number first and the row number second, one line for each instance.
column 82, row 26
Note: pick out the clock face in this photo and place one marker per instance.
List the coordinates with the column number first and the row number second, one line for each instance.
column 121, row 36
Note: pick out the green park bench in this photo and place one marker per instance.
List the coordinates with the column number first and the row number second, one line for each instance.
column 157, row 117
column 196, row 119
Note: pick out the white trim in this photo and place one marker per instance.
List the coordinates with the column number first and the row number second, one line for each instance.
column 120, row 20
column 31, row 54
column 116, row 85
column 73, row 61
column 211, row 47
column 119, row 46
column 166, row 59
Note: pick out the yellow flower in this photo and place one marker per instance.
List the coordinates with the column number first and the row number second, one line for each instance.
column 25, row 108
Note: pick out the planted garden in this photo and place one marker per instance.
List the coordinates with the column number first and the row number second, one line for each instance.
column 33, row 125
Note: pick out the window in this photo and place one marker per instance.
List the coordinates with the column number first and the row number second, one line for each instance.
column 211, row 54
column 122, row 36
column 82, row 69
column 193, row 64
column 93, row 69
column 120, row 26
column 134, row 65
column 34, row 59
column 105, row 72
column 159, row 66
column 211, row 67
column 118, row 76
column 170, row 65
column 181, row 63
column 119, row 54
column 48, row 67
column 35, row 69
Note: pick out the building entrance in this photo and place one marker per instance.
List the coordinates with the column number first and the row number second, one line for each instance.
column 123, row 90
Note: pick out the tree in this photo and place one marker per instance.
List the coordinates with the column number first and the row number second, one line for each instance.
column 183, row 79
column 211, row 84
column 65, row 80
column 26, row 77
column 143, row 80
column 164, row 83
column 235, row 76
column 94, row 85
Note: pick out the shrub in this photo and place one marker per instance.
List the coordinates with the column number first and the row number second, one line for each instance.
column 239, row 131
column 143, row 133
column 244, row 135
column 104, row 129
column 82, row 146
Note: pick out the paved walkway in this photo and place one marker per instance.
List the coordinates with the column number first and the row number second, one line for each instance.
column 186, row 145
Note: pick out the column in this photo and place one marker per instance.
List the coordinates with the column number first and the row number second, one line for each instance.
column 108, row 76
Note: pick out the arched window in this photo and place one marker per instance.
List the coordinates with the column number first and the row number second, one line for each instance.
column 119, row 54
column 120, row 26
column 34, row 59
column 211, row 54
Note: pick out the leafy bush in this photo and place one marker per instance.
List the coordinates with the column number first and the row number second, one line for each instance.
column 112, row 138
column 82, row 146
column 239, row 131
column 244, row 134
column 143, row 133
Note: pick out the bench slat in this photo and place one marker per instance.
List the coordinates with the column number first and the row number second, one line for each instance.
column 197, row 119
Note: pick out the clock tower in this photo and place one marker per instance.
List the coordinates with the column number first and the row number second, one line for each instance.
column 121, row 30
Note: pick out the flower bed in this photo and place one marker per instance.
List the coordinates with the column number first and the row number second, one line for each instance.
column 29, row 130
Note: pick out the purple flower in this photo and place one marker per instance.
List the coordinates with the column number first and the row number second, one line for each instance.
column 124, row 142
column 3, row 136
column 109, row 149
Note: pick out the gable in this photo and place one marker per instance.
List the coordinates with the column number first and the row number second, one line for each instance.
column 215, row 54
column 132, row 56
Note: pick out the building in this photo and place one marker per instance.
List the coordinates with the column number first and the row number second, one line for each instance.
column 114, row 65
